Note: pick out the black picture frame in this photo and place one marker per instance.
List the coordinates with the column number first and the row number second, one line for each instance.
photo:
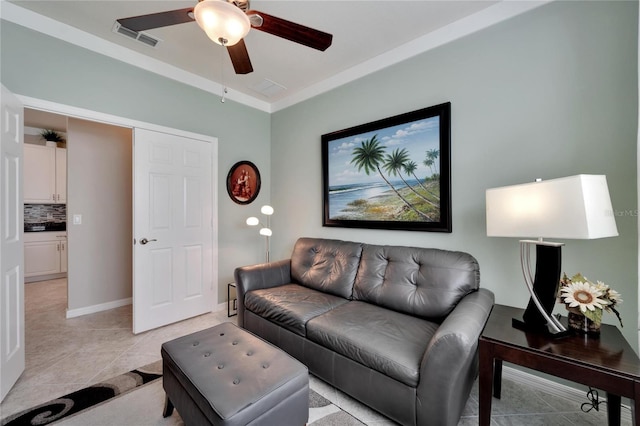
column 243, row 182
column 365, row 180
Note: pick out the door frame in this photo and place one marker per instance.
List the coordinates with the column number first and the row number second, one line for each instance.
column 95, row 116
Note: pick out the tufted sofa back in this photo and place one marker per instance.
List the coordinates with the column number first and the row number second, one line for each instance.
column 424, row 282
column 419, row 281
column 329, row 266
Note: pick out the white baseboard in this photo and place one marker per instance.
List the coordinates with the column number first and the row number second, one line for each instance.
column 72, row 313
column 554, row 388
column 37, row 278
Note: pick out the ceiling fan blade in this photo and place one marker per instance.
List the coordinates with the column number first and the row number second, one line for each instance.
column 240, row 58
column 157, row 20
column 291, row 31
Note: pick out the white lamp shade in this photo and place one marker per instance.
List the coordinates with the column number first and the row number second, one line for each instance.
column 268, row 210
column 574, row 207
column 222, row 21
column 266, row 232
column 252, row 221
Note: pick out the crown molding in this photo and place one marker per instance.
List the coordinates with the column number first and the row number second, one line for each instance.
column 497, row 13
column 45, row 25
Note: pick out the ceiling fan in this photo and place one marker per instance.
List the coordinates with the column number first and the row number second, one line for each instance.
column 227, row 22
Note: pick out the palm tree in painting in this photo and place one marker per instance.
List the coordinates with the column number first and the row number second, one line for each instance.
column 369, row 156
column 393, row 165
column 410, row 168
column 430, row 160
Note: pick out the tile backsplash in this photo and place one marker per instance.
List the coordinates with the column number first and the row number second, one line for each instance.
column 35, row 213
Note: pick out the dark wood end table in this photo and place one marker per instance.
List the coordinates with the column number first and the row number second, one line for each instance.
column 606, row 362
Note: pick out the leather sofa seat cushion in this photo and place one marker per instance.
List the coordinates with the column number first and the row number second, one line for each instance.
column 291, row 305
column 329, row 266
column 389, row 342
column 418, row 281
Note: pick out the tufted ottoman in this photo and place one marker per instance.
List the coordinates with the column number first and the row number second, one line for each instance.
column 225, row 375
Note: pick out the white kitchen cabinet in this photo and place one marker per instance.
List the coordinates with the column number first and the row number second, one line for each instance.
column 41, row 258
column 39, row 174
column 63, row 255
column 61, row 175
column 45, row 254
column 45, row 174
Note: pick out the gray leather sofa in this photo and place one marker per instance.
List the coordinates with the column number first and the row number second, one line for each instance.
column 395, row 327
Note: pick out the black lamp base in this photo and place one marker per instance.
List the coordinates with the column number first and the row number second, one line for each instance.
column 545, row 288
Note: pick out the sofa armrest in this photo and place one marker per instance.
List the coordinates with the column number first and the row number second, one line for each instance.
column 450, row 364
column 264, row 275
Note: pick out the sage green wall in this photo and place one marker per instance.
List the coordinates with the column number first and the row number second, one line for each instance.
column 42, row 67
column 547, row 94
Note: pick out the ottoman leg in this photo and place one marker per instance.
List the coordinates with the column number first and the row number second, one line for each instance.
column 168, row 407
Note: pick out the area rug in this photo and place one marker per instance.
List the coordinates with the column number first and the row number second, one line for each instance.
column 322, row 412
column 83, row 399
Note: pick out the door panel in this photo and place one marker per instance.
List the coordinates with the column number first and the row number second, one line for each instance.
column 161, row 263
column 193, row 203
column 12, row 359
column 160, row 203
column 173, row 210
column 193, row 278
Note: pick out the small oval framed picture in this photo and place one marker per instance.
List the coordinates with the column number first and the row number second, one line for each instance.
column 243, row 182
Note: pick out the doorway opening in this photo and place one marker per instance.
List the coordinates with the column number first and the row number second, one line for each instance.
column 97, row 211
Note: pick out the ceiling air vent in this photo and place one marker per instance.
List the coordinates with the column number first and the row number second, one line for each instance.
column 268, row 88
column 135, row 35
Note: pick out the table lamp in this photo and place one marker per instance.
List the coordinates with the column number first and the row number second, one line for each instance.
column 574, row 207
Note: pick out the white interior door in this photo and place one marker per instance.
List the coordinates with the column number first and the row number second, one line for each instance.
column 173, row 229
column 11, row 244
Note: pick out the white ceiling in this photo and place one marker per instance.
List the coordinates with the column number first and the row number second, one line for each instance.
column 367, row 35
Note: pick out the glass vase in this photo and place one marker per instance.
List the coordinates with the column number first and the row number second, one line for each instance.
column 582, row 324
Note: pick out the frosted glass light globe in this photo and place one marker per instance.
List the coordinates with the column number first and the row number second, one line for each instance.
column 266, row 232
column 223, row 22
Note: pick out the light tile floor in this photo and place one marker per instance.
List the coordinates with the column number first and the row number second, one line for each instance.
column 64, row 355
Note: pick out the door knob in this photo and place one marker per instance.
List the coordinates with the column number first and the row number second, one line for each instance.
column 145, row 241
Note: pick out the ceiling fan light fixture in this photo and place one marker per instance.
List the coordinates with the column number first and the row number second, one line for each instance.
column 224, row 23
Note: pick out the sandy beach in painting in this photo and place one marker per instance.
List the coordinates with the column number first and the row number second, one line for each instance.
column 380, row 202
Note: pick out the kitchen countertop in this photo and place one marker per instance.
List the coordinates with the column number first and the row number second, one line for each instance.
column 45, row 227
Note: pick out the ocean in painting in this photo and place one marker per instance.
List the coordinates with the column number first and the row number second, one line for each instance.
column 341, row 196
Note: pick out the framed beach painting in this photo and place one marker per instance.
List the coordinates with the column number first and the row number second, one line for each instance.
column 393, row 173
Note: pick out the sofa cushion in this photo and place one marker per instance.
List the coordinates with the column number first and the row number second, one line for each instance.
column 329, row 266
column 417, row 281
column 383, row 340
column 290, row 305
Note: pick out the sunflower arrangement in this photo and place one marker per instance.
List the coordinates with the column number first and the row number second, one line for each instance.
column 583, row 297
